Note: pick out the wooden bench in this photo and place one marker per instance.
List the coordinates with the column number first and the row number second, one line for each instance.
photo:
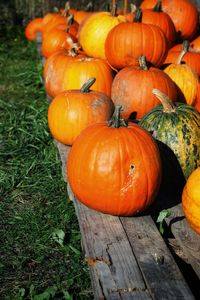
column 127, row 256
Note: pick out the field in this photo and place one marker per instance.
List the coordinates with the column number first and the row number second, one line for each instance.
column 41, row 256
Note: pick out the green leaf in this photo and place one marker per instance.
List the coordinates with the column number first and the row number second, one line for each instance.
column 66, row 295
column 47, row 294
column 161, row 217
column 58, row 236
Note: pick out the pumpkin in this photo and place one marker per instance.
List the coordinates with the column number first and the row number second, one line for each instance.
column 32, row 28
column 72, row 111
column 55, row 67
column 157, row 17
column 111, row 170
column 191, row 200
column 188, row 56
column 195, row 44
column 133, row 40
column 79, row 70
column 177, row 126
column 186, row 79
column 94, row 30
column 54, row 40
column 132, row 88
column 183, row 13
column 197, row 103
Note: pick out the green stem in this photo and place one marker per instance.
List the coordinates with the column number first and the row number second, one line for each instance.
column 168, row 106
column 138, row 15
column 185, row 49
column 143, row 63
column 158, row 6
column 87, row 85
column 70, row 19
column 116, row 121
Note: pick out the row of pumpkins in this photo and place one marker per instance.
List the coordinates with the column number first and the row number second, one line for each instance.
column 126, row 96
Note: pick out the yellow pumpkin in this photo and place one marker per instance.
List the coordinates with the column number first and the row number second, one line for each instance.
column 191, row 200
column 94, row 30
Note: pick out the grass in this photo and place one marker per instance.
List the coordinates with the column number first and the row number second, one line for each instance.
column 40, row 252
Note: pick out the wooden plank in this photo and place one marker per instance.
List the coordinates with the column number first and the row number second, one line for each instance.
column 115, row 272
column 187, row 238
column 159, row 269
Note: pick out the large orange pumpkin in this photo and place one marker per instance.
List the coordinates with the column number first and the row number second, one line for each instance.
column 111, row 169
column 191, row 200
column 183, row 13
column 94, row 30
column 72, row 111
column 132, row 89
column 32, row 28
column 126, row 42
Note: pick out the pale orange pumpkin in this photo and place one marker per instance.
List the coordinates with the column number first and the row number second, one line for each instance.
column 55, row 68
column 191, row 200
column 132, row 89
column 73, row 110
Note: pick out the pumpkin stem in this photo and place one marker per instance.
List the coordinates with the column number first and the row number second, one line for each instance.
column 143, row 63
column 87, row 85
column 114, row 8
column 116, row 120
column 138, row 15
column 71, row 44
column 168, row 106
column 70, row 19
column 66, row 9
column 158, row 6
column 89, row 7
column 185, row 49
column 133, row 7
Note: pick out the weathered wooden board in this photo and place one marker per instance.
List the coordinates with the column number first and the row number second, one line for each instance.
column 128, row 254
column 188, row 240
column 128, row 257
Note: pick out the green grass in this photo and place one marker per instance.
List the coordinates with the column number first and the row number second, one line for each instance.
column 40, row 242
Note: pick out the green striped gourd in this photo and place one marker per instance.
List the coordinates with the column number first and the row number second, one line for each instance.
column 177, row 125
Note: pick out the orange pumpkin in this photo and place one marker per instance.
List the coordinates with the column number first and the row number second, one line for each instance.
column 132, row 89
column 183, row 13
column 72, row 111
column 107, row 172
column 94, row 30
column 157, row 17
column 195, row 44
column 79, row 70
column 126, row 42
column 32, row 28
column 55, row 40
column 191, row 200
column 197, row 103
column 55, row 68
column 188, row 56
